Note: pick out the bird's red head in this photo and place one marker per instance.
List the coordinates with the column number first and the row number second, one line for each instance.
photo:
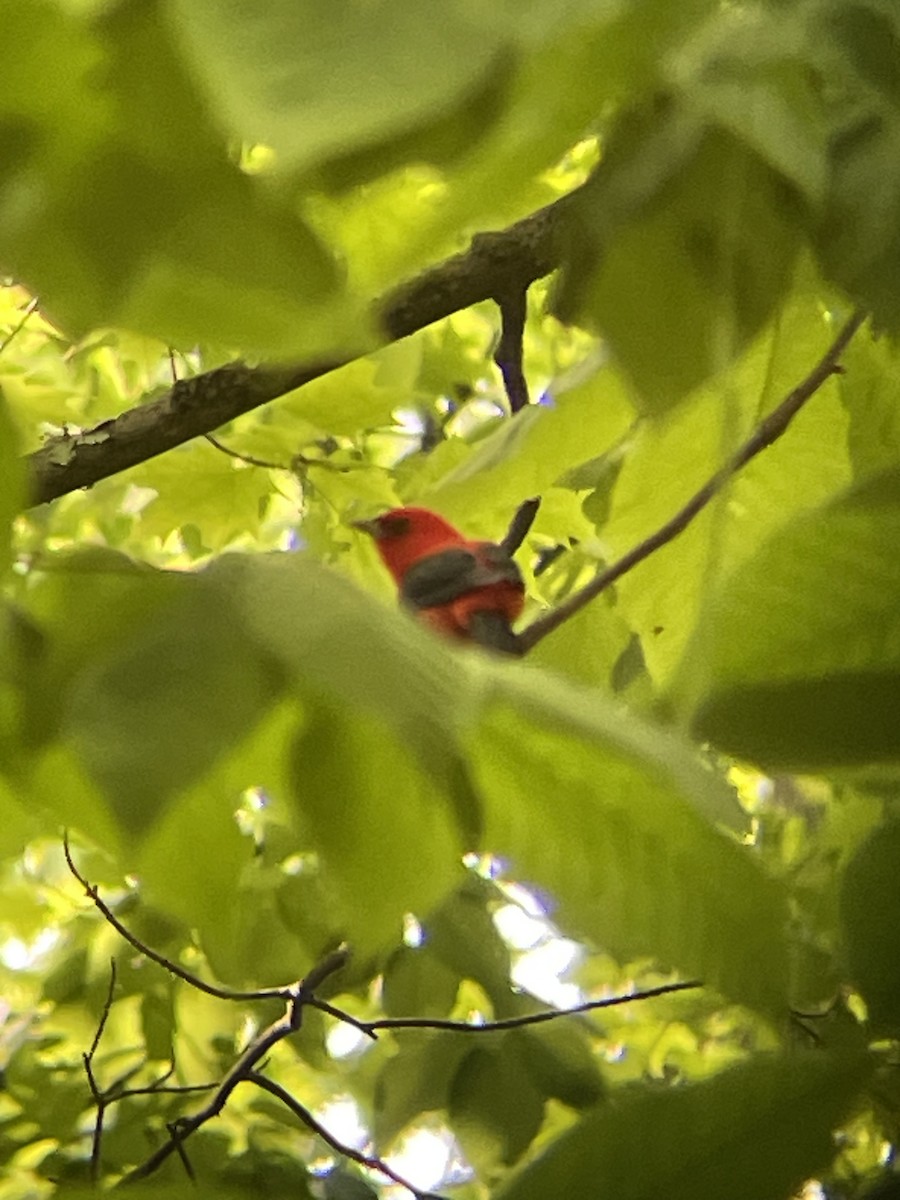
column 404, row 535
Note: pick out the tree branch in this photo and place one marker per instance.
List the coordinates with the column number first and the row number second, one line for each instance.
column 513, row 305
column 769, row 430
column 496, row 263
column 519, row 527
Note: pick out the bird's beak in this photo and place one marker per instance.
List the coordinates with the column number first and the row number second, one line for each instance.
column 372, row 527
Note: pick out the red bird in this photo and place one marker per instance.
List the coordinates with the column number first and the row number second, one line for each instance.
column 467, row 590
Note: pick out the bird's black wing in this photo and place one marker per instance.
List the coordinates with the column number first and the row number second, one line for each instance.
column 443, row 577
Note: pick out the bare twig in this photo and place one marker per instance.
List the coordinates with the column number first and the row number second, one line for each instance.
column 246, row 1068
column 30, row 307
column 300, row 995
column 513, row 305
column 104, row 1016
column 99, row 1098
column 369, row 1161
column 769, row 430
column 166, row 963
column 245, row 458
column 538, row 1018
column 548, row 557
column 520, row 525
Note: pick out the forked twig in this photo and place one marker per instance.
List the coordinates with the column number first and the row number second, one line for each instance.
column 246, row 1068
column 93, row 893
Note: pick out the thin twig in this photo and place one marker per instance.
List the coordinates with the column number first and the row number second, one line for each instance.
column 174, row 1131
column 513, row 305
column 548, row 557
column 768, row 431
column 104, row 1016
column 17, row 329
column 157, row 1089
column 167, row 964
column 245, row 458
column 247, row 1062
column 520, row 525
column 551, row 1014
column 369, row 1161
column 99, row 1098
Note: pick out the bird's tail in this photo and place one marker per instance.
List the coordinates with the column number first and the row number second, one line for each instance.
column 490, row 628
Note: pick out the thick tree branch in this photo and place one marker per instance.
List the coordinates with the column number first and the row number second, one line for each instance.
column 496, row 263
column 769, row 430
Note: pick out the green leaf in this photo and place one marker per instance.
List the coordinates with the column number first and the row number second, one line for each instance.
column 18, row 825
column 670, row 458
column 559, row 1057
column 416, row 983
column 226, row 901
column 172, row 239
column 158, row 1023
column 870, row 917
column 416, row 1079
column 462, row 935
column 153, row 718
column 857, row 238
column 579, row 61
column 749, row 71
column 494, row 1107
column 683, row 246
column 382, row 828
column 60, row 791
column 802, row 645
column 526, row 455
column 616, row 820
column 870, row 391
column 361, row 395
column 262, row 64
column 757, row 1130
column 339, row 644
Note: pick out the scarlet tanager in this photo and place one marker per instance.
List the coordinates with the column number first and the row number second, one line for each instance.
column 468, row 590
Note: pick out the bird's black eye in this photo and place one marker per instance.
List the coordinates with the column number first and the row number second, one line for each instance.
column 390, row 526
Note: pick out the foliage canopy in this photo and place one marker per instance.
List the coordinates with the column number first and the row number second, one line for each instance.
column 348, row 241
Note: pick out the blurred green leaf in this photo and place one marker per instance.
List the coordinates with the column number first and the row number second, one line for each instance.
column 665, row 597
column 870, row 917
column 817, row 685
column 870, row 391
column 381, row 826
column 416, row 1079
column 683, row 246
column 756, row 1130
column 617, row 820
column 152, row 719
column 857, row 238
column 171, row 238
column 417, row 983
column 258, row 64
column 462, row 935
column 494, row 1107
column 749, row 71
column 559, row 1059
column 236, row 919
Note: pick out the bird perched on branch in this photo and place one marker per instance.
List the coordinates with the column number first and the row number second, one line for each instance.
column 468, row 590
